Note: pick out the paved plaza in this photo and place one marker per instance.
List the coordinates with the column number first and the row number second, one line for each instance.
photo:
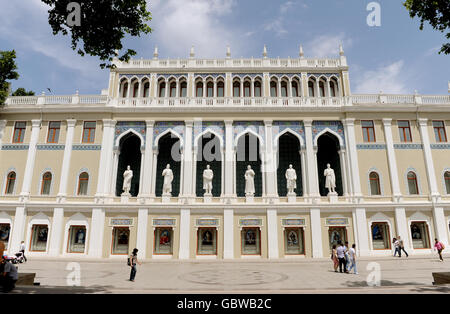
column 398, row 275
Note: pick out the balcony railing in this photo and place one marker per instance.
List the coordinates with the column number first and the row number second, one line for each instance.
column 103, row 100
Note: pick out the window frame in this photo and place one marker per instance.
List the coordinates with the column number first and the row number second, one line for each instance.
column 21, row 132
column 402, row 131
column 8, row 182
column 377, row 180
column 79, row 183
column 44, row 181
column 415, row 183
column 438, row 129
column 447, row 182
column 366, row 132
column 55, row 134
column 89, row 135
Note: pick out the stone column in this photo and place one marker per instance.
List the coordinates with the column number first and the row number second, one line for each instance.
column 303, row 169
column 57, row 232
column 97, row 232
column 106, row 159
column 147, row 170
column 362, row 231
column 228, row 234
column 270, row 163
column 429, row 163
column 311, row 164
column 272, row 233
column 402, row 227
column 185, row 222
column 141, row 240
column 18, row 230
column 316, row 233
column 344, row 172
column 2, row 131
column 154, row 167
column 349, row 127
column 188, row 162
column 393, row 172
column 29, row 167
column 66, row 160
column 229, row 158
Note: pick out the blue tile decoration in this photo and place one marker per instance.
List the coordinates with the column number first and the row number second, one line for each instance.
column 124, row 126
column 162, row 126
column 121, row 222
column 328, row 75
column 164, row 222
column 279, row 126
column 370, row 146
column 168, row 76
column 86, row 147
column 206, row 222
column 216, row 126
column 250, row 75
column 293, row 222
column 255, row 126
column 440, row 146
column 250, row 222
column 50, row 147
column 139, row 76
column 206, row 75
column 15, row 147
column 408, row 146
column 335, row 126
column 336, row 221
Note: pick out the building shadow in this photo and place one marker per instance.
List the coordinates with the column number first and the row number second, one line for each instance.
column 60, row 290
column 383, row 283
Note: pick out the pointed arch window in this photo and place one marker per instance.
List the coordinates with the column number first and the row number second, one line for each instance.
column 162, row 89
column 374, row 183
column 125, row 90
column 273, row 89
column 10, row 182
column 294, row 89
column 210, row 89
column 135, row 89
column 284, row 91
column 173, row 89
column 412, row 183
column 322, row 89
column 220, row 89
column 236, row 89
column 46, row 183
column 257, row 89
column 199, row 89
column 332, row 88
column 83, row 181
column 311, row 89
column 146, row 89
column 183, row 89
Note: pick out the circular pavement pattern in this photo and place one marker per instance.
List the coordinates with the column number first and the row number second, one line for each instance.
column 233, row 277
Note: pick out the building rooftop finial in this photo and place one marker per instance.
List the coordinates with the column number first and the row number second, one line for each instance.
column 265, row 52
column 341, row 50
column 155, row 53
column 301, row 54
column 192, row 53
column 228, row 52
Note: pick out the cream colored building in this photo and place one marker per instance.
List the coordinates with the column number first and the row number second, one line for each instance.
column 62, row 160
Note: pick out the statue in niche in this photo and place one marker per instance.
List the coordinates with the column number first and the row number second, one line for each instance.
column 330, row 180
column 127, row 176
column 249, row 181
column 168, row 178
column 291, row 180
column 208, row 175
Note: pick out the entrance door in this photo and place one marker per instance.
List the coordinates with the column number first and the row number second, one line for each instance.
column 121, row 238
column 207, row 243
column 336, row 234
column 293, row 241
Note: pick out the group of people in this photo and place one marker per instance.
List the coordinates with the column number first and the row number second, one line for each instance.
column 344, row 258
column 399, row 246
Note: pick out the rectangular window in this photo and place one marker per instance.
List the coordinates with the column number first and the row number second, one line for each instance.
column 120, row 239
column 337, row 234
column 405, row 131
column 5, row 230
column 293, row 241
column 164, row 240
column 207, row 241
column 89, row 131
column 439, row 131
column 19, row 132
column 77, row 239
column 39, row 235
column 53, row 131
column 420, row 235
column 251, row 241
column 368, row 130
column 380, row 236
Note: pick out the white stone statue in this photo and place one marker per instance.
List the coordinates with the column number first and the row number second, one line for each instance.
column 207, row 180
column 127, row 176
column 249, row 181
column 291, row 180
column 168, row 178
column 330, row 180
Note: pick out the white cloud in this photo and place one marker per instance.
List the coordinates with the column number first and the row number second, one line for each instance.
column 386, row 78
column 327, row 45
column 178, row 24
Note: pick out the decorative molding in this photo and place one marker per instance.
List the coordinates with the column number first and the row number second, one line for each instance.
column 117, row 222
column 292, row 222
column 370, row 146
column 335, row 127
column 248, row 222
column 207, row 222
column 15, row 147
column 86, row 147
column 440, row 146
column 50, row 147
column 164, row 222
column 408, row 146
column 280, row 128
column 336, row 221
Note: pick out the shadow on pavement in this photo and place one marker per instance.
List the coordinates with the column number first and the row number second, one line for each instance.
column 60, row 290
column 384, row 283
column 442, row 289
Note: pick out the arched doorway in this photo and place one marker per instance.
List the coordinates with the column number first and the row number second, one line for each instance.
column 209, row 153
column 328, row 153
column 288, row 154
column 168, row 153
column 247, row 153
column 130, row 155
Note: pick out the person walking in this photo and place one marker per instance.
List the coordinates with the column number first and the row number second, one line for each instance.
column 334, row 258
column 401, row 247
column 347, row 256
column 396, row 246
column 439, row 247
column 8, row 276
column 352, row 253
column 133, row 260
column 341, row 256
column 22, row 250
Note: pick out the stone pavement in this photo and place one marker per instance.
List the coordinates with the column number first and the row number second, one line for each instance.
column 398, row 275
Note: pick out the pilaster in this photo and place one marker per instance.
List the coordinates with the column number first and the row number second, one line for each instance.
column 66, row 161
column 393, row 171
column 57, row 232
column 28, row 175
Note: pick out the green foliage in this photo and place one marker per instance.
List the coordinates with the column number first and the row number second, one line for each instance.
column 7, row 72
column 22, row 92
column 103, row 25
column 435, row 12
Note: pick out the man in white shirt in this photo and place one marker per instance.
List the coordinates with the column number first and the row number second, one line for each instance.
column 22, row 250
column 352, row 253
column 341, row 256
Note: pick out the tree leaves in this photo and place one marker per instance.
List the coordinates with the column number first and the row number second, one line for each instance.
column 7, row 72
column 103, row 25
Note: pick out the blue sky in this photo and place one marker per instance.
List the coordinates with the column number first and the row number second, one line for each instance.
column 395, row 58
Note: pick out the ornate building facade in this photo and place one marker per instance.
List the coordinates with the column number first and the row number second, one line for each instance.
column 63, row 160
